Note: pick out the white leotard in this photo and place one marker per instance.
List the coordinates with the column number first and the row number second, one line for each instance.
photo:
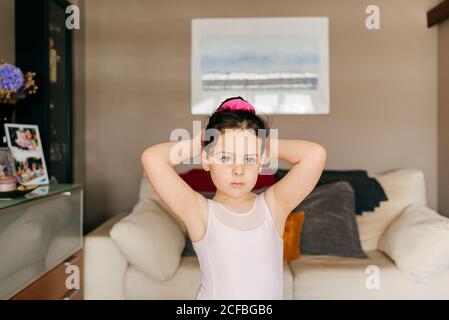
column 241, row 254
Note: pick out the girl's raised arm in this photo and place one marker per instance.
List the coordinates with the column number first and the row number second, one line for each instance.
column 158, row 162
column 308, row 160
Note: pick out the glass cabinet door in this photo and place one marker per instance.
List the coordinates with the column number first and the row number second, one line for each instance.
column 44, row 46
column 59, row 109
column 36, row 236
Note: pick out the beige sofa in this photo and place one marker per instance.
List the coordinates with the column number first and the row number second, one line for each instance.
column 109, row 274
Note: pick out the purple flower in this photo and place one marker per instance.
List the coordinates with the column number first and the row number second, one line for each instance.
column 11, row 78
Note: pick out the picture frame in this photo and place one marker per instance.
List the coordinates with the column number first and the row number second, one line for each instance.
column 6, row 163
column 280, row 64
column 25, row 145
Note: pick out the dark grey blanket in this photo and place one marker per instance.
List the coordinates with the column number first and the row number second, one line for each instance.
column 368, row 191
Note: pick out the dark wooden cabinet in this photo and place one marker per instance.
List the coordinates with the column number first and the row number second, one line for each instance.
column 44, row 46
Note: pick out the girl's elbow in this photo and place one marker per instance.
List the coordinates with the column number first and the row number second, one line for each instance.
column 320, row 150
column 321, row 153
column 146, row 155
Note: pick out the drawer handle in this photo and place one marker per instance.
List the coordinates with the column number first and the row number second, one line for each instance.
column 71, row 260
column 70, row 294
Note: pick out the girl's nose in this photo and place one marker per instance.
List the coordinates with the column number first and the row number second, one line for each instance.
column 238, row 170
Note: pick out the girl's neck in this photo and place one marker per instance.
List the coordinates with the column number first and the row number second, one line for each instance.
column 234, row 202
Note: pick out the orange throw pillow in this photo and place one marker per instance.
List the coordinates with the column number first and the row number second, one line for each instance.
column 292, row 235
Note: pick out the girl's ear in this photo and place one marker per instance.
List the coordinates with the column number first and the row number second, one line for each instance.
column 205, row 161
column 262, row 162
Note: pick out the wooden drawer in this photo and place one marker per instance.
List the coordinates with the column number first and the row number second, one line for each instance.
column 73, row 295
column 52, row 285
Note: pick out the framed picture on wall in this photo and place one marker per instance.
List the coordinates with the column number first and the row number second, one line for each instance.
column 280, row 64
column 25, row 145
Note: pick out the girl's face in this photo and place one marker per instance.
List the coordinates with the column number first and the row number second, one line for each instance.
column 235, row 161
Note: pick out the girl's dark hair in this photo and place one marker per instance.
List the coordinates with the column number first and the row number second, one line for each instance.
column 234, row 119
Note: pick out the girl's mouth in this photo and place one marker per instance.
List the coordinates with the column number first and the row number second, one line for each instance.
column 237, row 184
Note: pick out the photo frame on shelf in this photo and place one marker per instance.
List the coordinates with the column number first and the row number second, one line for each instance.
column 25, row 145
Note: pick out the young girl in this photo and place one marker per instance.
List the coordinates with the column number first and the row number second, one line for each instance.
column 237, row 234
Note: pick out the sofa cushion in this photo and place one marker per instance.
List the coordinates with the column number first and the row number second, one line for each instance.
column 150, row 240
column 292, row 235
column 329, row 226
column 418, row 242
column 201, row 181
column 328, row 277
column 147, row 193
column 403, row 187
column 368, row 191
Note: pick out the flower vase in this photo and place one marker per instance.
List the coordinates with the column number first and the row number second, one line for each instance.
column 6, row 116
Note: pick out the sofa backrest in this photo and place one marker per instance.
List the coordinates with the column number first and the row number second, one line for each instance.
column 402, row 187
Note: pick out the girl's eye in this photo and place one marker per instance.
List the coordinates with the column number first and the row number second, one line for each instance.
column 251, row 160
column 225, row 158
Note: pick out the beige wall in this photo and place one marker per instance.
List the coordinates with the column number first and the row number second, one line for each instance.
column 383, row 88
column 443, row 118
column 7, row 33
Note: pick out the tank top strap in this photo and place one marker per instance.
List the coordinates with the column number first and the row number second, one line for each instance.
column 264, row 206
column 269, row 216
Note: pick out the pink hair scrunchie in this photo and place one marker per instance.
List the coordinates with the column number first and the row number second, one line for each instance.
column 237, row 104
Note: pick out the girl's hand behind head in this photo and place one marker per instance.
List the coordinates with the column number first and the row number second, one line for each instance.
column 197, row 142
column 198, row 138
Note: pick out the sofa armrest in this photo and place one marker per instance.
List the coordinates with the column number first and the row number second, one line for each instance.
column 104, row 264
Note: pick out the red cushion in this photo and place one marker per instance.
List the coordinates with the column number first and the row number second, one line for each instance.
column 200, row 180
column 265, row 180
